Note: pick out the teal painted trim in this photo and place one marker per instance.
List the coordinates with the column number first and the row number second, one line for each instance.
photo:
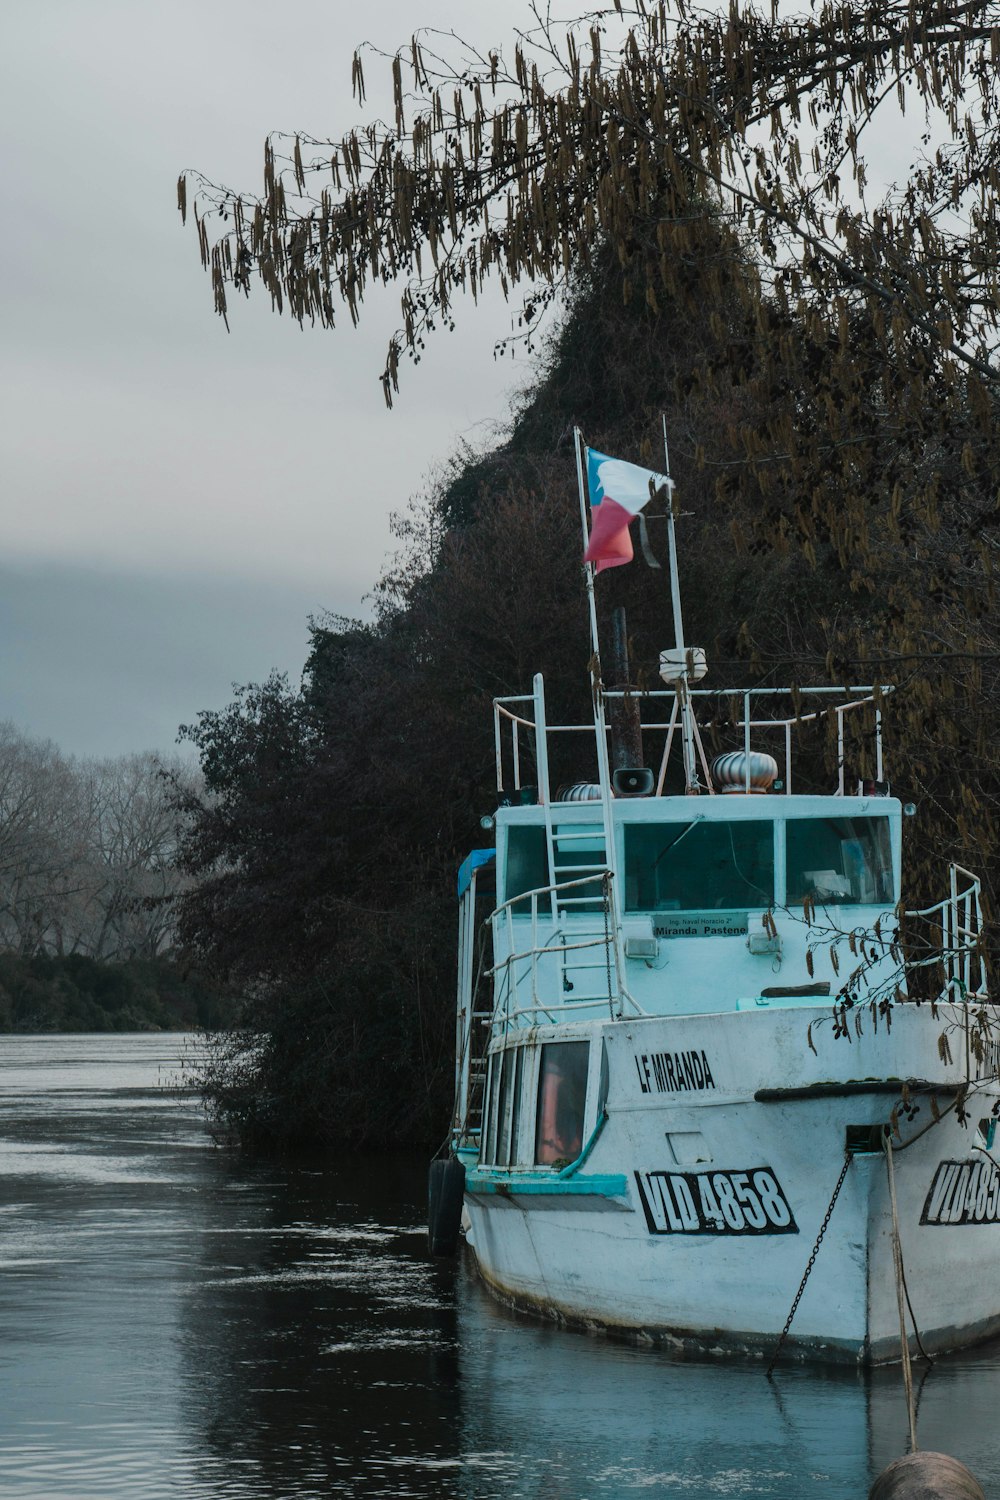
column 537, row 1184
column 574, row 1166
column 476, row 860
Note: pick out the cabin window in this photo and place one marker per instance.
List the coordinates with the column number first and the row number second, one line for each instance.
column 562, row 1097
column 495, row 1089
column 699, row 866
column 839, row 861
column 502, row 1157
column 511, row 1117
column 573, row 858
column 527, row 863
column 504, row 1108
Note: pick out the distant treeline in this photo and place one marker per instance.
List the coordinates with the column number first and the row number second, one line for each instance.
column 88, row 881
column 76, row 993
column 87, row 851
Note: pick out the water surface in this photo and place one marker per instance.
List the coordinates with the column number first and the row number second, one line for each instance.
column 175, row 1321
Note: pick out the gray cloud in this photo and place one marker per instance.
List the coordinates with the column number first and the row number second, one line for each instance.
column 141, row 442
column 103, row 662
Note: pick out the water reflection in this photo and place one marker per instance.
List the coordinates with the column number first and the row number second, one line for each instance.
column 607, row 1420
column 325, row 1338
column 176, row 1321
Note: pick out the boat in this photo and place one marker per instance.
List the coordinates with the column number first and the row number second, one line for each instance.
column 715, row 1089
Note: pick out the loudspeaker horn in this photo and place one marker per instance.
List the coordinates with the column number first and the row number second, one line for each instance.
column 633, row 781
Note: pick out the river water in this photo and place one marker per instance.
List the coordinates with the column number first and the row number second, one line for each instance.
column 175, row 1321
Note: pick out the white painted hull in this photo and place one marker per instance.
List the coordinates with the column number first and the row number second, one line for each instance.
column 637, row 1252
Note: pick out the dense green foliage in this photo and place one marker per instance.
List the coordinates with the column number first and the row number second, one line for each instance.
column 77, row 993
column 324, row 856
column 828, row 370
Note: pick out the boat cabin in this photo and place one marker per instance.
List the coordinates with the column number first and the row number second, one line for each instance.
column 733, row 897
column 718, row 900
column 617, row 898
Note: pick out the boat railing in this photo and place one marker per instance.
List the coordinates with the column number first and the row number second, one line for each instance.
column 521, row 731
column 537, row 948
column 958, row 919
column 521, row 718
column 779, row 727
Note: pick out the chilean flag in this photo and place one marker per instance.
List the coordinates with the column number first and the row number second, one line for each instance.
column 618, row 491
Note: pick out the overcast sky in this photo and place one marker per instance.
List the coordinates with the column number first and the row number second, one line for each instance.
column 177, row 500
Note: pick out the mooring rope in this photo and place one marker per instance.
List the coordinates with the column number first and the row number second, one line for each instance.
column 809, row 1265
column 897, row 1261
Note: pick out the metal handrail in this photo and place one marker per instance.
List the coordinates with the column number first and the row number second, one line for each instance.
column 608, row 941
column 961, row 919
column 504, row 711
column 549, row 890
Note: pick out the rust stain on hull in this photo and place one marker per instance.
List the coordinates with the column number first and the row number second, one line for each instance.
column 713, row 1343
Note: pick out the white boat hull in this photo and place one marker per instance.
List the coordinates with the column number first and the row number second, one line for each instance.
column 694, row 1215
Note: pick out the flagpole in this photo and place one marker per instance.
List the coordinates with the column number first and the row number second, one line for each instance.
column 691, row 783
column 588, row 568
column 597, row 693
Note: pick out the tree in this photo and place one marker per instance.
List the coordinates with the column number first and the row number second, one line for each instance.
column 517, row 172
column 132, row 838
column 859, row 361
column 693, row 188
column 87, row 851
column 88, row 885
column 42, row 842
column 322, row 859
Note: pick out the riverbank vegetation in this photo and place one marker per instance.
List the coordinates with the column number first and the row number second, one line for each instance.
column 45, row 993
column 693, row 211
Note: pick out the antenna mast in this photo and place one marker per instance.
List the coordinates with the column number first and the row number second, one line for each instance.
column 679, row 670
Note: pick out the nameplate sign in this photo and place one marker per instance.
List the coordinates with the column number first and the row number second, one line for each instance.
column 675, row 924
column 674, row 1072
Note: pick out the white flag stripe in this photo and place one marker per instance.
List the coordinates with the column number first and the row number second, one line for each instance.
column 627, row 483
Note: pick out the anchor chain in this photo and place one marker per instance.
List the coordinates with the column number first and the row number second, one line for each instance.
column 606, row 882
column 809, row 1265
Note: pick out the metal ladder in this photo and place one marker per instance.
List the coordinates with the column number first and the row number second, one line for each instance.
column 474, row 1102
column 561, row 836
column 472, row 1027
column 587, row 956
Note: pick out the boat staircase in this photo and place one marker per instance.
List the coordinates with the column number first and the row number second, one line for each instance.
column 471, row 1100
column 576, row 852
column 570, row 923
column 475, row 1004
column 531, row 933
